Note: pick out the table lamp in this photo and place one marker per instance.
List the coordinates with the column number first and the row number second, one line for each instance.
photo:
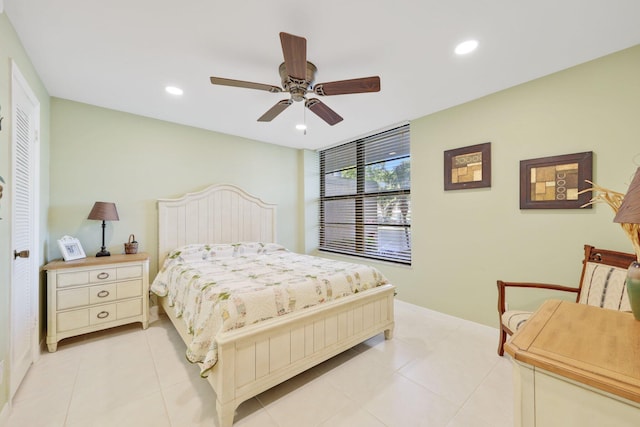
column 628, row 217
column 104, row 211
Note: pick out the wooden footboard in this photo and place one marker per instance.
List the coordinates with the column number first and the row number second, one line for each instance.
column 257, row 357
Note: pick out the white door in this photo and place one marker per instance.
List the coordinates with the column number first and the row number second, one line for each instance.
column 25, row 126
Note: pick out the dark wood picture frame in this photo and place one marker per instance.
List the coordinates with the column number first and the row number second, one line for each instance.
column 554, row 182
column 461, row 168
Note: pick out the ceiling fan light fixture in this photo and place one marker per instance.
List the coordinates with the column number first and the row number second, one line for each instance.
column 174, row 90
column 301, row 126
column 466, row 47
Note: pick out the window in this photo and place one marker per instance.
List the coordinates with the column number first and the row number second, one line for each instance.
column 365, row 197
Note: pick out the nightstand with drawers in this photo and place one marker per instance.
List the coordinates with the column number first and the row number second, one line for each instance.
column 92, row 294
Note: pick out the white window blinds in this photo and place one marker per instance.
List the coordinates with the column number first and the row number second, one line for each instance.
column 365, row 197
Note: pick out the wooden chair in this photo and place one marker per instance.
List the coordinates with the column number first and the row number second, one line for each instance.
column 602, row 284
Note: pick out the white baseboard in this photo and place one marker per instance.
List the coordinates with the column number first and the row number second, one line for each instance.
column 4, row 414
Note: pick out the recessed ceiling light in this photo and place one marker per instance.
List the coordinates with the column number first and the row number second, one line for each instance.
column 466, row 47
column 174, row 90
column 301, row 126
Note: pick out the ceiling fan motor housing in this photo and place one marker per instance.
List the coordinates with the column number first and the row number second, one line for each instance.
column 298, row 88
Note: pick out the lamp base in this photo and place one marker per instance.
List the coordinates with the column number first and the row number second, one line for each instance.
column 103, row 248
column 633, row 288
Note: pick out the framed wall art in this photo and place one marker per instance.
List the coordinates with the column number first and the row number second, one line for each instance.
column 468, row 167
column 555, row 182
column 71, row 248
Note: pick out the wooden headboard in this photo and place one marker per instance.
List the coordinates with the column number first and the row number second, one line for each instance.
column 218, row 214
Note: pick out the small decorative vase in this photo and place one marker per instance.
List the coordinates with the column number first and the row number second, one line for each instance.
column 633, row 288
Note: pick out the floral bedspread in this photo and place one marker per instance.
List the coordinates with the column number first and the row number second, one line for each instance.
column 216, row 288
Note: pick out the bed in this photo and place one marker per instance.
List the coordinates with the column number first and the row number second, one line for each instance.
column 256, row 357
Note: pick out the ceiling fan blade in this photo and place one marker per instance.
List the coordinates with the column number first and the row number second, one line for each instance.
column 248, row 85
column 322, row 111
column 294, row 50
column 342, row 87
column 275, row 110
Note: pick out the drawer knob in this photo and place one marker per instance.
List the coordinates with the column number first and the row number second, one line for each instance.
column 103, row 294
column 102, row 315
column 103, row 275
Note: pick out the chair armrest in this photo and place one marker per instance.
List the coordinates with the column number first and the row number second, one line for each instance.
column 503, row 285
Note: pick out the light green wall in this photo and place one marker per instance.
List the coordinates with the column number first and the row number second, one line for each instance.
column 11, row 49
column 464, row 240
column 310, row 187
column 105, row 155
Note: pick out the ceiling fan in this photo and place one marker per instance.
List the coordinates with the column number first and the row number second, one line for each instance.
column 297, row 75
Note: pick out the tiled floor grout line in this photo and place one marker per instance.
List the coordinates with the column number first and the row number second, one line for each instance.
column 155, row 369
column 73, row 389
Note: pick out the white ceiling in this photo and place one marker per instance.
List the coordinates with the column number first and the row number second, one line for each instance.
column 120, row 54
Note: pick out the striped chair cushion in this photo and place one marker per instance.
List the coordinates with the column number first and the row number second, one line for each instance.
column 514, row 319
column 604, row 286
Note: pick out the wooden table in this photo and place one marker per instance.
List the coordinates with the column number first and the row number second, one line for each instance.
column 577, row 365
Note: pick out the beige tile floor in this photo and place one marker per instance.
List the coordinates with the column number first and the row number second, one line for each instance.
column 438, row 370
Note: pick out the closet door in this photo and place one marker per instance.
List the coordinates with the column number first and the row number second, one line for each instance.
column 25, row 125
